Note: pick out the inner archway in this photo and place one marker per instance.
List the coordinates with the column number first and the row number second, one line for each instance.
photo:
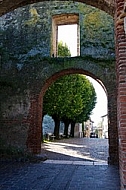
column 57, row 75
column 51, row 147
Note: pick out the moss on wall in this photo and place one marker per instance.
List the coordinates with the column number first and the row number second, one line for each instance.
column 26, row 63
column 27, row 31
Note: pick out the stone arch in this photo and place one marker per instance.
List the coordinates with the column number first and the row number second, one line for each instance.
column 105, row 5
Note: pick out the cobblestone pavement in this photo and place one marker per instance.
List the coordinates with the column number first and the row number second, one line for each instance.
column 72, row 164
column 77, row 149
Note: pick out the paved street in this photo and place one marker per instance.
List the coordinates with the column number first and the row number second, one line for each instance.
column 72, row 164
column 77, row 148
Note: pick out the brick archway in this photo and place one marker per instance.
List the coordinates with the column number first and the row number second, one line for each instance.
column 34, row 135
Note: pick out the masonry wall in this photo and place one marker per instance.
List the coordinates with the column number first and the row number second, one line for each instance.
column 26, row 65
column 28, row 31
column 13, row 117
column 121, row 74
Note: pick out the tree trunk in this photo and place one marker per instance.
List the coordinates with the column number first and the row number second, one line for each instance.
column 72, row 129
column 57, row 126
column 66, row 125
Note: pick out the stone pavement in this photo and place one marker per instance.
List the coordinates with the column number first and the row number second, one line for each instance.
column 72, row 164
column 77, row 148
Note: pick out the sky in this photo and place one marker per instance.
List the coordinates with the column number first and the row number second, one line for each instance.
column 101, row 106
column 68, row 34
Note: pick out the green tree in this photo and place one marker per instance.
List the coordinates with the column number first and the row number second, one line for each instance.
column 63, row 50
column 89, row 105
column 66, row 99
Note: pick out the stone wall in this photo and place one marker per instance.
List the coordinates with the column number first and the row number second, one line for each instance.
column 27, row 32
column 27, row 69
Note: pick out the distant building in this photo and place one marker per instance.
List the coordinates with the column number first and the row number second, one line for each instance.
column 88, row 127
column 104, row 125
column 78, row 130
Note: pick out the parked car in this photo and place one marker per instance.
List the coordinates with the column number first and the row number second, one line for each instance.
column 93, row 135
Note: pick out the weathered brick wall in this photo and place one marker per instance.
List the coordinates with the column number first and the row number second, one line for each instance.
column 35, row 124
column 13, row 116
column 121, row 82
column 112, row 127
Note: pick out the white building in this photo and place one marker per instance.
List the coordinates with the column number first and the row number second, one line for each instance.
column 105, row 126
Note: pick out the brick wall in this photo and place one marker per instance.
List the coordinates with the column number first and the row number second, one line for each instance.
column 35, row 124
column 121, row 82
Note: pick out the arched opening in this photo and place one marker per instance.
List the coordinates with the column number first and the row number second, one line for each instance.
column 61, row 146
column 99, row 116
column 72, row 40
column 50, row 132
column 69, row 22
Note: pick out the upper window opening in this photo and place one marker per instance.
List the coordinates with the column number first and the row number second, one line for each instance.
column 65, row 28
column 68, row 35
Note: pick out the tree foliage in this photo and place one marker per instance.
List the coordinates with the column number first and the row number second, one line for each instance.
column 72, row 97
column 62, row 98
column 88, row 104
column 63, row 50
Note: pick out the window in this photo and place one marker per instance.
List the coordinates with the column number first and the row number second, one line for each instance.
column 66, row 22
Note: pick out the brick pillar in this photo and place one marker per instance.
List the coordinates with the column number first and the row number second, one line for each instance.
column 35, row 125
column 120, row 13
column 112, row 127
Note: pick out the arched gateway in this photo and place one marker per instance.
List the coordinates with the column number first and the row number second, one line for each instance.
column 24, row 110
column 105, row 5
